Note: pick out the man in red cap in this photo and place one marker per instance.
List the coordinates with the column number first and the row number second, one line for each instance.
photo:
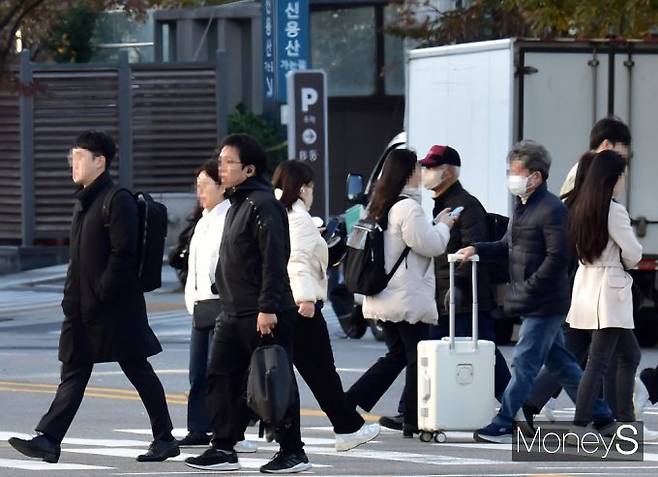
column 441, row 167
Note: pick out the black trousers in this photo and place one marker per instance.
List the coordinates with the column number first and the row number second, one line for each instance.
column 546, row 385
column 609, row 344
column 234, row 341
column 402, row 340
column 74, row 378
column 314, row 359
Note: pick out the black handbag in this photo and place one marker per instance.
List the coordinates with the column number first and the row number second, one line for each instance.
column 206, row 313
column 271, row 385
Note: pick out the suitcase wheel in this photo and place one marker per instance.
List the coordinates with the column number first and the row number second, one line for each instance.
column 425, row 436
column 440, row 437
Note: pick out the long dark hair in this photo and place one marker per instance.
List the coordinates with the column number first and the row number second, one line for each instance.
column 399, row 166
column 584, row 164
column 588, row 218
column 290, row 176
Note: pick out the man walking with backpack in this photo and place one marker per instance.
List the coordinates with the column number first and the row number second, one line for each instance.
column 104, row 309
column 252, row 280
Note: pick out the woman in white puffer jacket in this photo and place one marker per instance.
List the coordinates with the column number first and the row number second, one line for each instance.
column 307, row 270
column 407, row 305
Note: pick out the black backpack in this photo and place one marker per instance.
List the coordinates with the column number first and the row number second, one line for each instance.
column 498, row 270
column 152, row 234
column 364, row 262
column 271, row 385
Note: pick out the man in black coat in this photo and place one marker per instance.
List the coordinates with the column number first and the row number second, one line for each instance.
column 441, row 167
column 252, row 279
column 104, row 310
column 535, row 247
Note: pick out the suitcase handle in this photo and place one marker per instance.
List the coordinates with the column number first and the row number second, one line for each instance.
column 452, row 258
column 427, row 387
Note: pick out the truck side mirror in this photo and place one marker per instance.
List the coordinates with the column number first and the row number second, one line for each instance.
column 355, row 188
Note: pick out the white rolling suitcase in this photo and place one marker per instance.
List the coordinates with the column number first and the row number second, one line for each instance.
column 455, row 376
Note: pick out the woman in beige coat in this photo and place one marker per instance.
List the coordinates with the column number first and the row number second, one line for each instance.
column 602, row 301
column 406, row 306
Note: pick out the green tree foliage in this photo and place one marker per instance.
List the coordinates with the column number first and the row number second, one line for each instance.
column 263, row 130
column 44, row 23
column 69, row 40
column 545, row 19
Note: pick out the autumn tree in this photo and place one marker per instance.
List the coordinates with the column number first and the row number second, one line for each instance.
column 40, row 21
column 477, row 20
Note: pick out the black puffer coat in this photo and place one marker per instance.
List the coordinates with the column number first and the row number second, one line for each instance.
column 104, row 310
column 252, row 274
column 537, row 250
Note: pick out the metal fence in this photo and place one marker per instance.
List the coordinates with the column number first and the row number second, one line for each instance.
column 166, row 120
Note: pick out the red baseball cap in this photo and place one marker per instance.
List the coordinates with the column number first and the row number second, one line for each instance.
column 438, row 155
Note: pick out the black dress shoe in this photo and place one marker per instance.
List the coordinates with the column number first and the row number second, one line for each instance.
column 160, row 450
column 39, row 447
column 194, row 439
column 392, row 422
column 408, row 430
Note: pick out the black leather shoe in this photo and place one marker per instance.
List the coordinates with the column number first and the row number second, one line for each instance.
column 194, row 439
column 160, row 450
column 409, row 430
column 392, row 422
column 39, row 447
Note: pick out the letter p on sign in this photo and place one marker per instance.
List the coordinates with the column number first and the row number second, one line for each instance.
column 309, row 98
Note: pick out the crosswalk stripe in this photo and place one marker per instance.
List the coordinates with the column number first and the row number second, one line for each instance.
column 14, row 301
column 130, row 449
column 37, row 465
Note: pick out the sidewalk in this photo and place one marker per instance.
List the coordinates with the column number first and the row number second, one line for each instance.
column 34, row 277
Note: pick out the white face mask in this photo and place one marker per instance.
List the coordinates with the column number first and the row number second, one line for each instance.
column 432, row 177
column 517, row 185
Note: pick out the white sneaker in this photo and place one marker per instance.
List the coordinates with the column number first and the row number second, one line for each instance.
column 245, row 447
column 368, row 432
column 640, row 398
column 547, row 411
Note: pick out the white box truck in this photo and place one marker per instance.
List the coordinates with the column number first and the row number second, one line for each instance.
column 482, row 97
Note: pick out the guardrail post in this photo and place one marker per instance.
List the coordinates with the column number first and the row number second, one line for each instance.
column 221, row 93
column 126, row 165
column 26, row 104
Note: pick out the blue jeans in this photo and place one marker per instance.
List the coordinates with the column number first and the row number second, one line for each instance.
column 198, row 419
column 541, row 342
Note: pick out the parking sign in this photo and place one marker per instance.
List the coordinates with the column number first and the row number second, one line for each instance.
column 307, row 129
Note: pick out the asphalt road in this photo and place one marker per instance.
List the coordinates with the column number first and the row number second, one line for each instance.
column 111, row 427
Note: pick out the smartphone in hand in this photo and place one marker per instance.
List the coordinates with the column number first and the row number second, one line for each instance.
column 454, row 213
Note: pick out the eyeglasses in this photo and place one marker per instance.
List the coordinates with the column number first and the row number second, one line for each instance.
column 228, row 162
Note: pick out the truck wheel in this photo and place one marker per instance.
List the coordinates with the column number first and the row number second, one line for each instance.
column 646, row 326
column 377, row 329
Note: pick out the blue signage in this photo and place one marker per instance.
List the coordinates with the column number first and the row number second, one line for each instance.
column 286, row 44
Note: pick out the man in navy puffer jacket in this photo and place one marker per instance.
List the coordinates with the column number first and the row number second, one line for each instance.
column 537, row 251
